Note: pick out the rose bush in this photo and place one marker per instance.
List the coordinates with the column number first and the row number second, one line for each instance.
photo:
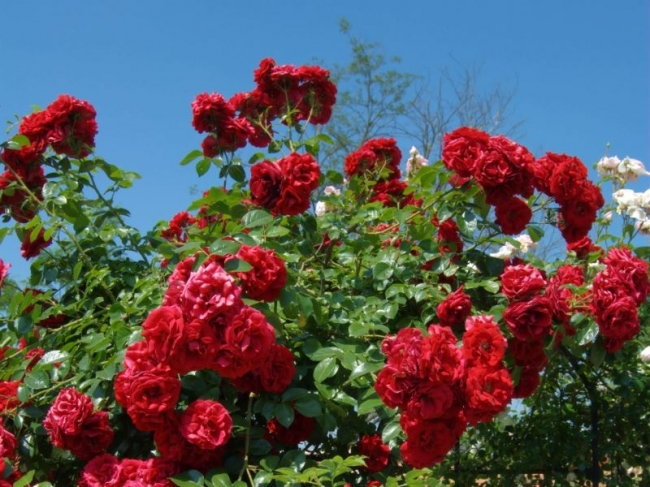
column 253, row 341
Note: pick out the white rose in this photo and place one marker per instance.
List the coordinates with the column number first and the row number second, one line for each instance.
column 526, row 243
column 645, row 355
column 631, row 169
column 505, row 252
column 321, row 208
column 331, row 190
column 607, row 165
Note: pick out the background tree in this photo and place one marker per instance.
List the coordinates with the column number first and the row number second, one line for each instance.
column 378, row 99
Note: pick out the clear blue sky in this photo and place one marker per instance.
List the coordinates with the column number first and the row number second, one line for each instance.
column 581, row 69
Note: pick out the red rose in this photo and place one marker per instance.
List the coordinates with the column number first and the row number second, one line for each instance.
column 210, row 292
column 9, row 395
column 68, row 413
column 31, row 247
column 566, row 180
column 632, row 270
column 315, row 96
column 72, row 126
column 583, row 247
column 462, row 148
column 578, row 213
column 206, row 423
column 95, row 436
column 265, row 281
column 430, row 401
column 529, row 320
column 454, row 309
column 211, row 112
column 620, row 320
column 374, row 157
column 249, row 335
column 201, row 342
column 163, row 331
column 483, row 343
column 147, row 396
column 512, row 215
column 277, row 371
column 440, row 360
column 376, row 452
column 521, row 282
column 8, row 443
column 428, row 441
column 562, row 297
column 3, row 272
column 487, row 393
column 528, row 353
column 72, row 425
column 255, row 107
column 102, row 471
column 527, row 384
column 265, row 184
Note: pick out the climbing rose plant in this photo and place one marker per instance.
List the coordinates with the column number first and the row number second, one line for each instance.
column 293, row 327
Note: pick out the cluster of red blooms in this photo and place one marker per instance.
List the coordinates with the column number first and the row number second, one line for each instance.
column 72, row 424
column 379, row 159
column 617, row 292
column 203, row 324
column 440, row 388
column 290, row 93
column 68, row 126
column 508, row 172
column 284, row 187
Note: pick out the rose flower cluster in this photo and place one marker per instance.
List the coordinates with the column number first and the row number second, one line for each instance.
column 440, row 388
column 68, row 126
column 204, row 324
column 508, row 172
column 378, row 160
column 291, row 94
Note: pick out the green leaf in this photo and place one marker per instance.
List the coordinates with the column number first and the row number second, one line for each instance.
column 193, row 155
column 269, row 463
column 237, row 173
column 365, row 368
column 224, row 247
column 237, row 265
column 25, row 479
column 221, row 480
column 21, row 141
column 37, row 379
column 309, row 406
column 203, row 166
column 536, row 233
column 587, row 334
column 53, row 357
column 257, row 218
column 370, row 405
column 326, row 369
column 262, row 478
column 325, row 138
column 382, row 271
column 491, row 286
column 390, row 432
column 284, row 413
column 191, row 478
column 325, row 352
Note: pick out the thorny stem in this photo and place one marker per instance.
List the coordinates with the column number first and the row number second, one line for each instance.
column 247, row 443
